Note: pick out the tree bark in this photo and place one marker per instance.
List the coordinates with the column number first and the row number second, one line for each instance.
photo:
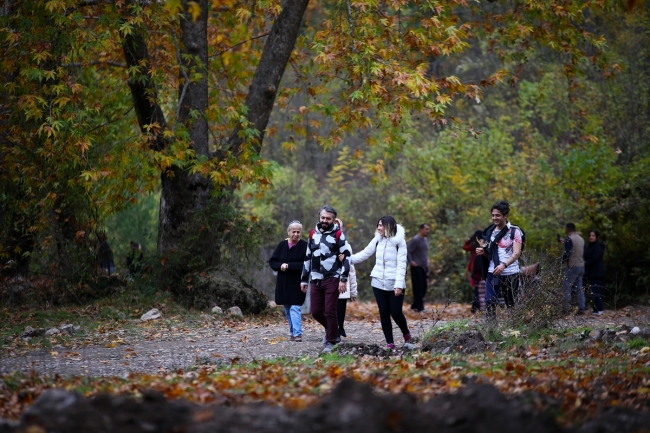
column 266, row 81
column 143, row 90
column 183, row 195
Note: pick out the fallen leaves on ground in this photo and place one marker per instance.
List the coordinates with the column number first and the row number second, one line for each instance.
column 575, row 384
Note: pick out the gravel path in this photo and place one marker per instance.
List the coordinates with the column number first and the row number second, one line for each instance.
column 223, row 346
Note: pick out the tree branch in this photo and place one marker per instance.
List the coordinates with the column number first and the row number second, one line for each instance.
column 264, row 88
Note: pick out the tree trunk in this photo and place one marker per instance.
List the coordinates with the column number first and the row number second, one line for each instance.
column 184, row 197
column 276, row 54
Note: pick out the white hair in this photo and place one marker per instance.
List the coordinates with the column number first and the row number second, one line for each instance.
column 294, row 223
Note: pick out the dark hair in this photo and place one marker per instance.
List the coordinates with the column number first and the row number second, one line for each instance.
column 390, row 225
column 501, row 206
column 328, row 209
column 478, row 234
column 597, row 233
column 570, row 226
column 423, row 225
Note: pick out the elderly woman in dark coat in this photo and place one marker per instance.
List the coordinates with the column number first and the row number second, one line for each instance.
column 595, row 269
column 287, row 260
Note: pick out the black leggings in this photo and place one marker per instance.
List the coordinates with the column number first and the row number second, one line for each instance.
column 340, row 314
column 390, row 306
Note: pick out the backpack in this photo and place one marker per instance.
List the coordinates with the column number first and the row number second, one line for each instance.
column 523, row 236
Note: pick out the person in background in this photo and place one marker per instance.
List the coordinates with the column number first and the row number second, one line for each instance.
column 135, row 258
column 287, row 260
column 388, row 276
column 476, row 270
column 418, row 258
column 350, row 293
column 503, row 246
column 105, row 255
column 595, row 269
column 326, row 276
column 574, row 250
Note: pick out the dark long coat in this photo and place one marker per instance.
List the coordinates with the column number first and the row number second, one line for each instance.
column 594, row 267
column 287, row 287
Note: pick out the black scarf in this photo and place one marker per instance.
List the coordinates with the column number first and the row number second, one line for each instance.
column 493, row 248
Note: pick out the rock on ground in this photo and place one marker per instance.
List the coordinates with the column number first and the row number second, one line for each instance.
column 220, row 287
column 235, row 311
column 152, row 314
column 351, row 408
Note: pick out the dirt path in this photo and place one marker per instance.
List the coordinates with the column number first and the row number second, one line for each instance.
column 221, row 344
column 224, row 345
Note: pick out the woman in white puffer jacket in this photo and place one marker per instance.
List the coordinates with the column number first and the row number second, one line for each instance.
column 388, row 276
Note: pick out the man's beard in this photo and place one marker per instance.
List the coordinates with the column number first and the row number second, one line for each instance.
column 325, row 226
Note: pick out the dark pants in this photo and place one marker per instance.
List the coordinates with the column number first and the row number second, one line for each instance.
column 390, row 305
column 500, row 287
column 596, row 285
column 419, row 283
column 324, row 303
column 340, row 312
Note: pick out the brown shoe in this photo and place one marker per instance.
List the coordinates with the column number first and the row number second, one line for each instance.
column 297, row 338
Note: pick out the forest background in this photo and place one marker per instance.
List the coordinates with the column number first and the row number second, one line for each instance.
column 543, row 105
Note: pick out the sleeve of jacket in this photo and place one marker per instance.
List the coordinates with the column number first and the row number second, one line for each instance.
column 366, row 253
column 400, row 273
column 306, row 267
column 568, row 246
column 346, row 250
column 353, row 282
column 275, row 261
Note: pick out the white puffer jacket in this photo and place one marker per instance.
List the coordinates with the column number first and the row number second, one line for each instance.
column 390, row 259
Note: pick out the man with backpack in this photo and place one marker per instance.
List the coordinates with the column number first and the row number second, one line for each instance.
column 503, row 244
column 328, row 274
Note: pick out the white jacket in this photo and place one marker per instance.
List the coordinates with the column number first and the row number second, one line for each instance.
column 351, row 285
column 390, row 257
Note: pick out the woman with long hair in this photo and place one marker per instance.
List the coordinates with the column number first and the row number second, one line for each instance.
column 595, row 269
column 388, row 276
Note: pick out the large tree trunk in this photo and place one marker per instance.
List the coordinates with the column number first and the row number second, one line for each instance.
column 184, row 197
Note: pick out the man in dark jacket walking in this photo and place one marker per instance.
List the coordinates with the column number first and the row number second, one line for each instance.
column 418, row 257
column 328, row 275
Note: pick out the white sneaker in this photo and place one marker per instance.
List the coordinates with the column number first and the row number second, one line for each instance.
column 328, row 347
column 409, row 346
column 597, row 313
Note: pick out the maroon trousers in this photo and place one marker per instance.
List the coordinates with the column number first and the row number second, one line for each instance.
column 324, row 304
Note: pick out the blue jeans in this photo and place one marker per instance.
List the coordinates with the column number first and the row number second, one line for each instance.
column 573, row 277
column 294, row 318
column 502, row 288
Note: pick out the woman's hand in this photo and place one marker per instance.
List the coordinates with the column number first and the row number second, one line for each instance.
column 341, row 257
column 398, row 292
column 284, row 267
column 353, row 298
column 480, row 251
